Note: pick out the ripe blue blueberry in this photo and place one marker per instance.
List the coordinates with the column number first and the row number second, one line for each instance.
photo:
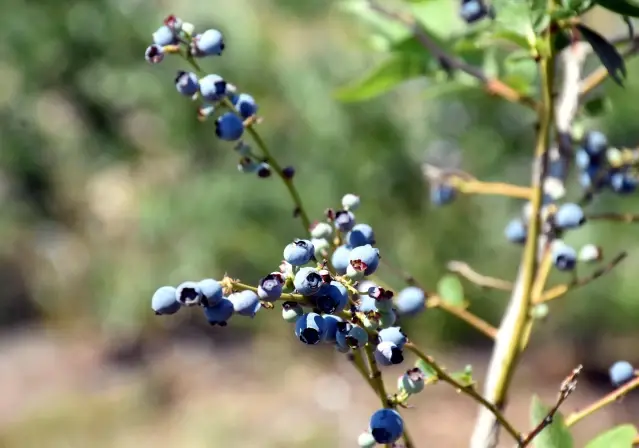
column 360, row 235
column 213, row 88
column 383, row 298
column 583, row 160
column 164, row 301
column 186, row 83
column 288, row 172
column 623, row 183
column 299, row 252
column 245, row 303
column 350, row 335
column 341, row 259
column 410, row 301
column 472, row 11
column 386, row 426
column 388, row 354
column 189, row 294
column 516, row 231
column 331, row 297
column 310, row 328
column 230, row 127
column 245, row 105
column 330, row 333
column 621, row 373
column 350, row 202
column 593, row 178
column 307, row 281
column 212, row 291
column 387, row 318
column 164, row 36
column 209, row 43
column 263, row 170
column 154, row 54
column 564, row 256
column 270, row 287
column 442, row 194
column 365, row 258
column 595, row 143
column 569, row 216
column 344, row 220
column 394, row 335
column 321, row 230
column 291, row 311
column 412, row 381
column 367, row 304
column 220, row 313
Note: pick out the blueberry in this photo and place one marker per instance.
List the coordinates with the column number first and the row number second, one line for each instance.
column 366, row 440
column 154, row 54
column 442, row 194
column 341, row 259
column 387, row 354
column 310, row 328
column 186, row 83
column 247, row 165
column 307, row 281
column 291, row 311
column 333, row 295
column 472, row 11
column 164, row 36
column 621, row 373
column 209, row 43
column 264, row 170
column 516, row 231
column 583, row 160
column 564, row 257
column 367, row 304
column 245, row 303
column 595, row 143
column 590, row 253
column 592, row 178
column 394, row 335
column 386, row 426
column 569, row 216
column 213, row 88
column 412, row 381
column 212, row 291
column 350, row 335
column 288, row 172
column 321, row 230
column 360, row 235
column 387, row 318
column 331, row 322
column 344, row 220
column 350, row 202
column 365, row 258
column 164, row 301
column 220, row 313
column 410, row 301
column 245, row 105
column 322, row 246
column 623, row 183
column 189, row 294
column 270, row 287
column 299, row 252
column 230, row 127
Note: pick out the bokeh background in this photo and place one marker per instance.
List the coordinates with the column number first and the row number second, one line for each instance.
column 109, row 188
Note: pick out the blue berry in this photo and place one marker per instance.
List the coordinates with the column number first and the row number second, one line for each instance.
column 472, row 11
column 209, row 43
column 344, row 220
column 333, row 296
column 310, row 328
column 592, row 178
column 516, row 231
column 394, row 335
column 350, row 202
column 186, row 83
column 270, row 287
column 154, row 54
column 264, row 170
column 387, row 318
column 164, row 36
column 213, row 88
column 245, row 105
column 365, row 258
column 623, row 183
column 321, row 230
column 291, row 311
column 322, row 247
column 307, row 281
column 569, row 216
column 388, row 354
column 442, row 194
column 410, row 301
column 230, row 127
column 212, row 291
column 247, row 165
column 331, row 322
column 299, row 252
column 386, row 426
column 621, row 373
column 189, row 294
column 360, row 235
column 341, row 259
column 350, row 335
column 583, row 160
column 564, row 257
column 595, row 143
column 220, row 313
column 164, row 301
column 412, row 381
column 245, row 303
column 288, row 172
column 367, row 304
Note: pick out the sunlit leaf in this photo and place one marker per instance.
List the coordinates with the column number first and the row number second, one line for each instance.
column 556, row 434
column 620, row 437
column 451, row 290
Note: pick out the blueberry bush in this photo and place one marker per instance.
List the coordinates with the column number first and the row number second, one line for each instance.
column 531, row 53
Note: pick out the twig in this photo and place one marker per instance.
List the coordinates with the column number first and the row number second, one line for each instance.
column 450, row 62
column 615, row 217
column 560, row 290
column 473, row 276
column 567, row 388
column 463, row 314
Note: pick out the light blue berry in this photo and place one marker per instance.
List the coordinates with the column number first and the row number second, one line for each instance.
column 291, row 311
column 220, row 313
column 209, row 43
column 186, row 83
column 321, row 230
column 322, row 246
column 623, row 183
column 189, row 294
column 595, row 143
column 164, row 301
column 307, row 281
column 442, row 194
column 569, row 216
column 388, row 354
column 331, row 321
column 367, row 304
column 412, row 381
column 394, row 335
column 516, row 231
column 386, row 426
column 366, row 440
column 387, row 318
column 350, row 202
column 245, row 105
column 344, row 220
column 621, row 373
column 472, row 11
column 154, row 54
column 245, row 303
column 213, row 88
column 583, row 160
column 360, row 235
column 350, row 335
column 310, row 328
column 564, row 257
column 365, row 258
column 410, row 301
column 212, row 291
column 270, row 287
column 341, row 259
column 164, row 36
column 230, row 127
column 299, row 252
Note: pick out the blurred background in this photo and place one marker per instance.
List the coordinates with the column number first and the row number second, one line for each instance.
column 110, row 188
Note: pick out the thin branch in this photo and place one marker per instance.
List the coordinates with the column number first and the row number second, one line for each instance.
column 463, row 314
column 614, row 217
column 484, row 281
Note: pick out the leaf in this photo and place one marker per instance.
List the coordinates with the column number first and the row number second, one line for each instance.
column 521, row 72
column 607, row 53
column 451, row 290
column 631, row 28
column 555, row 435
column 385, row 26
column 620, row 437
column 623, row 7
column 425, row 368
column 392, row 72
column 465, row 377
column 597, row 106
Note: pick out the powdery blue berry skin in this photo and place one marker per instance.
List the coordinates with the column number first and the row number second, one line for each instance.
column 564, row 257
column 344, row 220
column 388, row 354
column 220, row 313
column 154, row 54
column 366, row 254
column 623, row 183
column 411, row 381
column 245, row 105
column 621, row 373
column 516, row 231
column 164, row 301
column 360, row 235
column 472, row 11
column 341, row 259
column 270, row 287
column 322, row 247
column 164, row 36
column 229, row 127
column 394, row 335
column 299, row 252
column 569, row 216
column 387, row 318
column 331, row 297
column 307, row 281
column 442, row 194
column 213, row 88
column 212, row 291
column 187, row 83
column 291, row 311
column 583, row 160
column 386, row 426
column 340, row 293
column 410, row 301
column 310, row 328
column 367, row 304
column 208, row 43
column 321, row 230
column 595, row 143
column 350, row 202
column 245, row 303
column 189, row 294
column 330, row 333
column 350, row 335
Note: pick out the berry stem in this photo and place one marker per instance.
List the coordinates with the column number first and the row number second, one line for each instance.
column 614, row 217
column 227, row 282
column 463, row 314
column 491, row 188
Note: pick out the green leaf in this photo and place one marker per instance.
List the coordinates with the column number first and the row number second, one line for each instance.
column 607, row 53
column 597, row 106
column 555, row 435
column 521, row 72
column 620, row 437
column 361, row 9
column 623, row 7
column 392, row 72
column 425, row 368
column 465, row 377
column 451, row 290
